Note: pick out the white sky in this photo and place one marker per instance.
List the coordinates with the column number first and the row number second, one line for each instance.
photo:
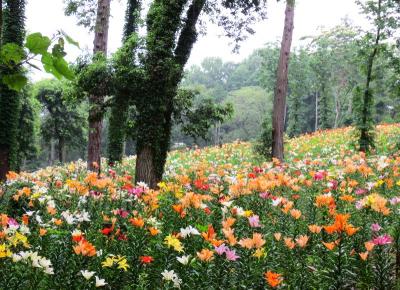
column 310, row 15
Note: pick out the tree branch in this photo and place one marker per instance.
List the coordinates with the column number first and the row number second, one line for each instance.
column 188, row 35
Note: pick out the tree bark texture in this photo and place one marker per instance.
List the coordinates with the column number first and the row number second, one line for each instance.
column 278, row 118
column 4, row 162
column 95, row 102
column 145, row 167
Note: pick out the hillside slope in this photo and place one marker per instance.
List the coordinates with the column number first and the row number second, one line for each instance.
column 329, row 217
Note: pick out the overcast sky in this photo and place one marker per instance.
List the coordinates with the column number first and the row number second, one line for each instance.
column 47, row 16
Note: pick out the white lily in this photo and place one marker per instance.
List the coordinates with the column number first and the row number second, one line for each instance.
column 184, row 260
column 100, row 282
column 87, row 274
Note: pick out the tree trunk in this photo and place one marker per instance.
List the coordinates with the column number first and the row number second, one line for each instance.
column 3, row 150
column 4, row 163
column 154, row 133
column 316, row 112
column 52, row 151
column 13, row 31
column 117, row 128
column 366, row 141
column 94, row 146
column 145, row 168
column 337, row 110
column 278, row 122
column 1, row 22
column 95, row 102
column 60, row 150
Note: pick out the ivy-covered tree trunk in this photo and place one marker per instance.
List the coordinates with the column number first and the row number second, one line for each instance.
column 316, row 112
column 1, row 21
column 337, row 110
column 278, row 118
column 117, row 128
column 366, row 138
column 120, row 107
column 164, row 66
column 13, row 31
column 52, row 154
column 60, row 149
column 96, row 102
column 324, row 108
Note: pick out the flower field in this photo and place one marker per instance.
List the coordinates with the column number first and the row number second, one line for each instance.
column 329, row 218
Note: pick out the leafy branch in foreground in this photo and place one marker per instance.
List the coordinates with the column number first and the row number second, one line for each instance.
column 50, row 52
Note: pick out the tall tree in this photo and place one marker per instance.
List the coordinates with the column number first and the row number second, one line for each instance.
column 300, row 89
column 366, row 137
column 63, row 119
column 163, row 67
column 171, row 34
column 13, row 31
column 1, row 21
column 124, row 62
column 94, row 15
column 384, row 14
column 29, row 127
column 96, row 111
column 279, row 109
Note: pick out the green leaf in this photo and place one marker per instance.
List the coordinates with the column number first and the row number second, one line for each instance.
column 57, row 66
column 47, row 61
column 70, row 40
column 62, row 67
column 58, row 50
column 37, row 43
column 15, row 82
column 202, row 228
column 11, row 54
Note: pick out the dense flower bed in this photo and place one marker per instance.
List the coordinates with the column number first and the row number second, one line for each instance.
column 329, row 218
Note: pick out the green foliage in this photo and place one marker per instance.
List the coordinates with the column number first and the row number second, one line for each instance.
column 69, row 39
column 195, row 120
column 11, row 54
column 263, row 145
column 169, row 41
column 269, row 59
column 15, row 81
column 29, row 127
column 236, row 17
column 127, row 74
column 126, row 82
column 384, row 16
column 226, row 82
column 326, row 68
column 251, row 105
column 13, row 34
column 363, row 119
column 14, row 56
column 63, row 120
column 300, row 93
column 118, row 128
column 95, row 76
column 84, row 10
column 36, row 43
